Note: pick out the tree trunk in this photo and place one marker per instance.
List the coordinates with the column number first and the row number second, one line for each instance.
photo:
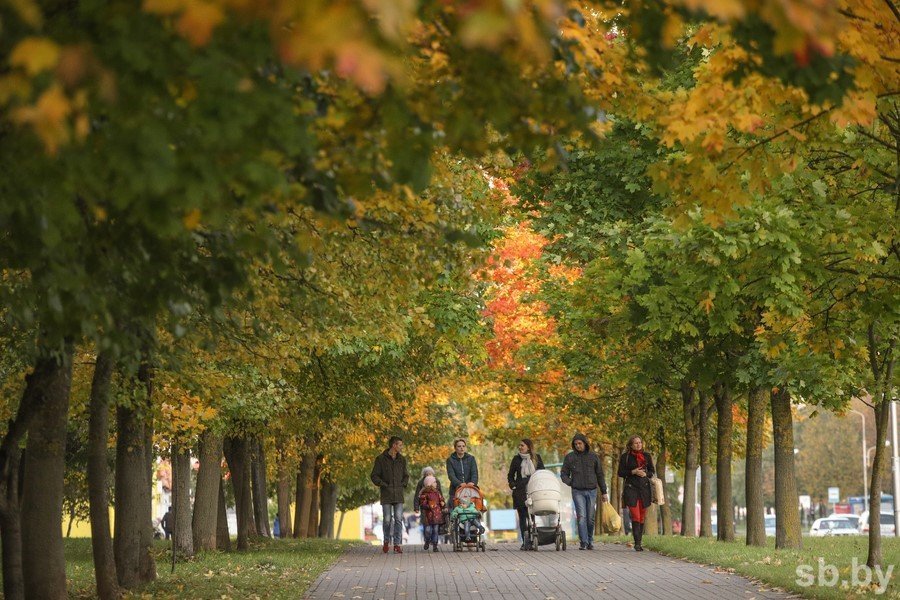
column 651, row 520
column 328, row 503
column 304, row 494
column 133, row 529
column 787, row 518
column 181, row 500
column 882, row 374
column 661, row 466
column 260, row 488
column 223, row 537
column 340, row 525
column 40, row 385
column 706, row 404
column 313, row 527
column 283, row 492
column 206, row 495
column 724, row 432
column 238, row 456
column 756, row 422
column 691, row 433
column 43, row 555
column 98, row 479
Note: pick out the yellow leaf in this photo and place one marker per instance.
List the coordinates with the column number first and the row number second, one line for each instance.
column 198, row 21
column 28, row 11
column 35, row 54
column 192, row 219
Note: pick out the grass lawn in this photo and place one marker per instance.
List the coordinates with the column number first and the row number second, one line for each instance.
column 779, row 567
column 270, row 569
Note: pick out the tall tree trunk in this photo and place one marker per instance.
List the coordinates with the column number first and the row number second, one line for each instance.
column 706, row 403
column 661, row 466
column 223, row 537
column 133, row 509
column 691, row 435
column 43, row 556
column 881, row 362
column 206, row 495
column 756, row 421
column 98, row 479
column 238, row 457
column 651, row 520
column 329, row 494
column 260, row 488
column 340, row 526
column 181, row 501
column 787, row 522
column 304, row 493
column 724, row 432
column 49, row 375
column 313, row 527
column 283, row 491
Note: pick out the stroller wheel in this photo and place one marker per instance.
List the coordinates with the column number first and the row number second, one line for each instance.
column 564, row 540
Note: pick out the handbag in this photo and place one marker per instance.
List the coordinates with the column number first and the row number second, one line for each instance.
column 657, row 491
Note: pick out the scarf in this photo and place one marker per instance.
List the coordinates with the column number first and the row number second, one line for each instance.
column 640, row 458
column 527, row 469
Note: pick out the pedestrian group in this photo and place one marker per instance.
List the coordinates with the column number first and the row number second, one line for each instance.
column 582, row 470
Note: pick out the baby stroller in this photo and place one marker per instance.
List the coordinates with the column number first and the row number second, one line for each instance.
column 544, row 500
column 475, row 538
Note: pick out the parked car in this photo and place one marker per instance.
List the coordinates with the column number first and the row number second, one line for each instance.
column 887, row 523
column 770, row 525
column 854, row 519
column 823, row 527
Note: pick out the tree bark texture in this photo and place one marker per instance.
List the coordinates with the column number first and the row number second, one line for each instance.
column 133, row 529
column 98, row 479
column 283, row 492
column 706, row 404
column 328, row 502
column 260, row 488
column 787, row 523
column 756, row 422
column 313, row 528
column 223, row 537
column 206, row 495
column 48, row 375
column 724, row 433
column 181, row 500
column 691, row 435
column 237, row 453
column 882, row 366
column 304, row 494
column 43, row 556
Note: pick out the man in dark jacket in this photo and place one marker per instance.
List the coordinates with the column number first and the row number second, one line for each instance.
column 583, row 471
column 461, row 468
column 391, row 476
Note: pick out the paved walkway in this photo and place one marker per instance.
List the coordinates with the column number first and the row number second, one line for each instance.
column 504, row 572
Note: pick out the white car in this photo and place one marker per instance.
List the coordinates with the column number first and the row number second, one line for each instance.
column 823, row 527
column 854, row 519
column 887, row 523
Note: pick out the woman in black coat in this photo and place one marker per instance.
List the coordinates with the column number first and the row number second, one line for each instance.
column 522, row 467
column 636, row 468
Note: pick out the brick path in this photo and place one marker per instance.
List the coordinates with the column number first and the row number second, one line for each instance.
column 503, row 572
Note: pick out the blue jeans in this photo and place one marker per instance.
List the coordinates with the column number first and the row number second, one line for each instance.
column 467, row 527
column 585, row 501
column 393, row 522
column 431, row 533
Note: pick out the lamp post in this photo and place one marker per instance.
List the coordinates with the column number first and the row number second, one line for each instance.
column 865, row 460
column 895, row 465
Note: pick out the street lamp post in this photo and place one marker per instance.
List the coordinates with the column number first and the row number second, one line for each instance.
column 895, row 464
column 865, row 456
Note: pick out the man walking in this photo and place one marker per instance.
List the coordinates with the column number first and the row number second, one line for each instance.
column 583, row 471
column 391, row 476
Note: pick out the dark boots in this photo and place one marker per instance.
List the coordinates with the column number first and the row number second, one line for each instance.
column 637, row 530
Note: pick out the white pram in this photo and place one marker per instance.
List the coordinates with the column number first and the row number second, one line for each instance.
column 544, row 500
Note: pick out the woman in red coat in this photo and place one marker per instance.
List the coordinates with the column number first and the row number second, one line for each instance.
column 431, row 503
column 636, row 468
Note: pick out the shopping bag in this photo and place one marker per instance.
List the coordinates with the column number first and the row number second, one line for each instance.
column 610, row 520
column 657, row 489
